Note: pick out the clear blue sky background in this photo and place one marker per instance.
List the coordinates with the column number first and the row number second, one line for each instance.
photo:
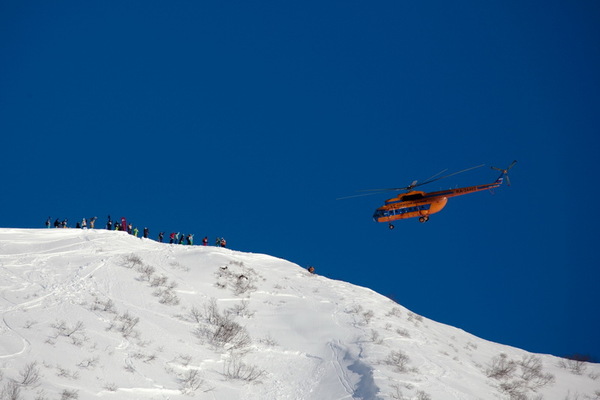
column 248, row 119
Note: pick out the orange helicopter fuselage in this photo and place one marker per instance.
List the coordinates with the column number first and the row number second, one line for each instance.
column 421, row 204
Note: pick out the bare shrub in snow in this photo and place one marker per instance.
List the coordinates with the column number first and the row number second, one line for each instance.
column 146, row 272
column 184, row 359
column 518, row 378
column 268, row 341
column 75, row 332
column 166, row 296
column 470, row 346
column 125, row 324
column 190, row 381
column 89, row 363
column 111, row 387
column 195, row 314
column 229, row 333
column 414, row 318
column 237, row 277
column 242, row 309
column 355, row 309
column 403, row 332
column 575, row 366
column 397, row 393
column 28, row 324
column 532, row 374
column 159, row 281
column 221, row 329
column 69, row 394
column 367, row 316
column 235, row 368
column 501, row 367
column 106, row 306
column 11, row 391
column 375, row 338
column 29, row 375
column 421, row 395
column 132, row 261
column 65, row 373
column 397, row 359
column 394, row 312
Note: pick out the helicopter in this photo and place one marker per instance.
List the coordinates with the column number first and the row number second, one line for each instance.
column 419, row 204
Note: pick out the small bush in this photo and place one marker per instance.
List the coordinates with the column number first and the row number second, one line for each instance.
column 517, row 378
column 11, row 391
column 234, row 368
column 501, row 367
column 69, row 394
column 75, row 332
column 133, row 261
column 29, row 375
column 190, row 381
column 125, row 324
column 398, row 359
column 221, row 329
column 575, row 366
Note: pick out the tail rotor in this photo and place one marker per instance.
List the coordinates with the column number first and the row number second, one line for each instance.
column 505, row 171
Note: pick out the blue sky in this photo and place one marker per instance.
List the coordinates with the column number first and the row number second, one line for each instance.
column 248, row 119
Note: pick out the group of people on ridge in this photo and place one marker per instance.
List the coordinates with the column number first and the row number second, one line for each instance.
column 174, row 237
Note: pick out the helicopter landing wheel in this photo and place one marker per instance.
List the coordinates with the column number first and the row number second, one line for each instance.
column 391, row 226
column 423, row 219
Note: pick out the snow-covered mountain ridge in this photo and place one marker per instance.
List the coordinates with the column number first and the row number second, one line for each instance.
column 102, row 314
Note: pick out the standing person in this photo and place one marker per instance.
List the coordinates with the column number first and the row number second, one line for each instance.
column 161, row 235
column 92, row 222
column 136, row 231
column 218, row 241
column 48, row 222
column 64, row 223
column 172, row 237
column 181, row 238
column 130, row 228
column 223, row 242
column 146, row 232
column 190, row 239
column 123, row 223
column 83, row 224
column 109, row 224
column 56, row 223
column 205, row 241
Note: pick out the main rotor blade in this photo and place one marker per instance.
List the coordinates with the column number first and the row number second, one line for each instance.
column 447, row 176
column 357, row 195
column 511, row 165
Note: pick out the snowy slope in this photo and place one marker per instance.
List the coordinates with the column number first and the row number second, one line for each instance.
column 98, row 314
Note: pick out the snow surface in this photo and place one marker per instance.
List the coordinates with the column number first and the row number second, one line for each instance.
column 102, row 314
